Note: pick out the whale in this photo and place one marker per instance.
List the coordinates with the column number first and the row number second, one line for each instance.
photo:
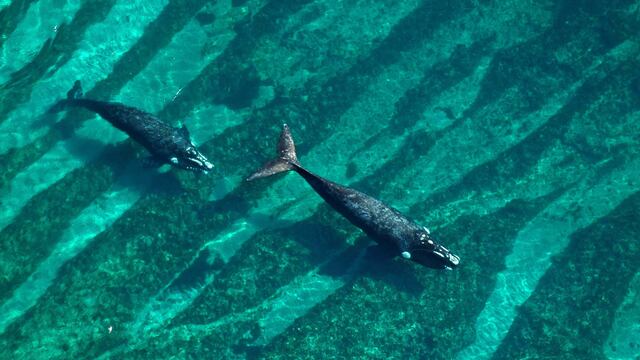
column 166, row 144
column 381, row 222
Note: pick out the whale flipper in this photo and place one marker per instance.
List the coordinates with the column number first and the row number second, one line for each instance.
column 285, row 161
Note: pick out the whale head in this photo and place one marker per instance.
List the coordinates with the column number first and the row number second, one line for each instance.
column 184, row 153
column 425, row 251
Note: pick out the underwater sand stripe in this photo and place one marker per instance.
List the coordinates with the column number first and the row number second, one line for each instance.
column 542, row 238
column 54, row 54
column 438, row 166
column 98, row 48
column 53, row 166
column 437, row 290
column 114, row 207
column 244, row 229
column 622, row 343
column 449, row 180
column 157, row 34
column 222, row 114
column 39, row 173
column 39, row 24
column 210, row 83
column 545, row 236
column 21, row 194
column 573, row 305
column 428, row 107
column 241, row 228
column 38, row 176
column 93, row 220
column 479, row 40
column 382, row 89
column 294, row 300
column 347, row 84
column 11, row 14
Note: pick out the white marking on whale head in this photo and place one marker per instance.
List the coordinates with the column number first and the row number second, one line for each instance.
column 174, row 160
column 406, row 255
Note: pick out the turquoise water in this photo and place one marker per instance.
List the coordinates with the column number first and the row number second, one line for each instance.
column 510, row 128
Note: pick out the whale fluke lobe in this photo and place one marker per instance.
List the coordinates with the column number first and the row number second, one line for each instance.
column 76, row 91
column 73, row 94
column 286, row 159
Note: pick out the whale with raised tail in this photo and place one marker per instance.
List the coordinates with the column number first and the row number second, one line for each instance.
column 386, row 225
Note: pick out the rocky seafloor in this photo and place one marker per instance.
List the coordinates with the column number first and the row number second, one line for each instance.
column 510, row 128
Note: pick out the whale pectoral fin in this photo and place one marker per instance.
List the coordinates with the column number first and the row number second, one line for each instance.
column 152, row 162
column 185, row 132
column 379, row 253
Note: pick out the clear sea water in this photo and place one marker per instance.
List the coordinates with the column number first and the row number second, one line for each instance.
column 510, row 128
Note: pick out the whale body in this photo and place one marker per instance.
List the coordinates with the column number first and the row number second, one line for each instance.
column 167, row 144
column 386, row 225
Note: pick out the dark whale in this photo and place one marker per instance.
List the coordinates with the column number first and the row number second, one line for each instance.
column 381, row 222
column 167, row 144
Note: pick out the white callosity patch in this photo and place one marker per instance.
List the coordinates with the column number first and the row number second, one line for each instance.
column 40, row 23
column 93, row 60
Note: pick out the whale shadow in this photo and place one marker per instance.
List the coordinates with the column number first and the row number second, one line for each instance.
column 375, row 262
column 130, row 170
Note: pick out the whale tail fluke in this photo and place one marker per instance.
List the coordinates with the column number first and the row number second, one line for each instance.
column 74, row 93
column 285, row 161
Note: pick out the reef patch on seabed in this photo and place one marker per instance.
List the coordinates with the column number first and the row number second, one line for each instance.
column 573, row 308
column 478, row 119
